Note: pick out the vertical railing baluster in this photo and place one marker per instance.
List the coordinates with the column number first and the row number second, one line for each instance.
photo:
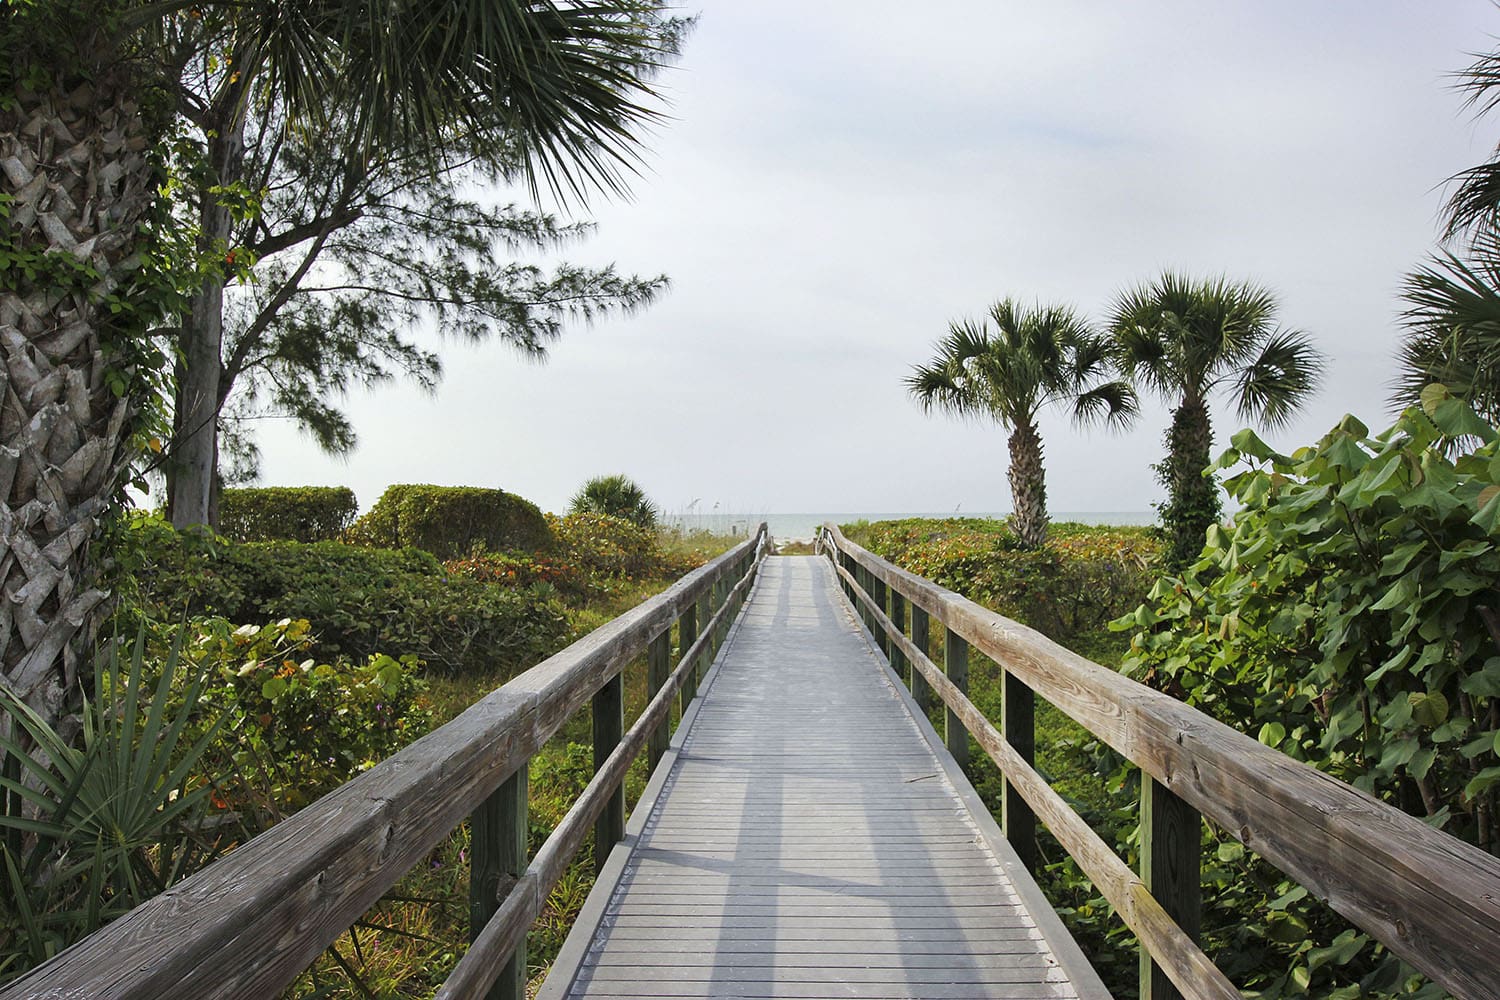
column 877, row 592
column 1170, row 843
column 609, row 726
column 956, row 666
column 658, row 669
column 897, row 615
column 687, row 634
column 1018, row 724
column 497, row 858
column 920, row 637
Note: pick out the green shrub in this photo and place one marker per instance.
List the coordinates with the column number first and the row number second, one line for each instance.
column 452, row 521
column 362, row 602
column 1342, row 620
column 607, row 546
column 298, row 727
column 1084, row 577
column 290, row 513
column 617, row 496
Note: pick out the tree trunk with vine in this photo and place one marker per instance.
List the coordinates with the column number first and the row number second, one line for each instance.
column 1193, row 502
column 1028, row 487
column 78, row 184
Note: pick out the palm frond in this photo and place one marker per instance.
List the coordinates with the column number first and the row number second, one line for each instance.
column 1279, row 379
column 1453, row 327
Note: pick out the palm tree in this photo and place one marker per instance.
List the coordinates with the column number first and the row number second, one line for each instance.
column 1036, row 357
column 617, row 496
column 1187, row 339
column 92, row 88
column 1453, row 327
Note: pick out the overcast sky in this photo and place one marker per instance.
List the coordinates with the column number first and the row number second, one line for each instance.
column 843, row 179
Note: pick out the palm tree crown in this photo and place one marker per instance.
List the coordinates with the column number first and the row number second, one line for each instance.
column 617, row 496
column 1187, row 338
column 1035, row 357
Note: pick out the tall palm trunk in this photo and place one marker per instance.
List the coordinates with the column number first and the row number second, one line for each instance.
column 1193, row 502
column 1028, row 486
column 74, row 162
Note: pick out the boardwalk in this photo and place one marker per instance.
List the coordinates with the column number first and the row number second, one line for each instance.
column 812, row 839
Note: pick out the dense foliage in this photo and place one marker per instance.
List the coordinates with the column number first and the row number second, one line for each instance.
column 287, row 513
column 452, row 521
column 362, row 602
column 1347, row 612
column 1071, row 588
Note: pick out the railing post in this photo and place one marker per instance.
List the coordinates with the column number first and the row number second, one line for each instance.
column 687, row 634
column 1170, row 842
column 956, row 666
column 497, row 857
column 920, row 635
column 658, row 669
column 1018, row 725
column 609, row 726
column 877, row 591
column 897, row 614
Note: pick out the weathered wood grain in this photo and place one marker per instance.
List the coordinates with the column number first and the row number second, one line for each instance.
column 808, row 838
column 1429, row 897
column 497, row 857
column 485, row 959
column 248, row 924
column 1174, row 951
column 1171, row 856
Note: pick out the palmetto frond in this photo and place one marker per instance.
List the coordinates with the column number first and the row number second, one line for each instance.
column 1021, row 360
column 1453, row 323
column 1476, row 194
column 1271, row 386
column 1181, row 337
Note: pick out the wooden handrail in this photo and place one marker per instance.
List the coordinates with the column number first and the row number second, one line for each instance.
column 248, row 924
column 1429, row 897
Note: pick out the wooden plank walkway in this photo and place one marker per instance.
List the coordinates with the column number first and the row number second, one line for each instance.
column 812, row 838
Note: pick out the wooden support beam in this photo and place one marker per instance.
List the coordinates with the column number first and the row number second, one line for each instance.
column 658, row 669
column 1171, row 851
column 878, row 592
column 609, row 726
column 897, row 615
column 687, row 634
column 1019, row 726
column 920, row 637
column 956, row 667
column 497, row 858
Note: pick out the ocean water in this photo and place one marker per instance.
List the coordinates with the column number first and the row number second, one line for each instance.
column 802, row 526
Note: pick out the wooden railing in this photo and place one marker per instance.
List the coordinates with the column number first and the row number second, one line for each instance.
column 248, row 924
column 1430, row 898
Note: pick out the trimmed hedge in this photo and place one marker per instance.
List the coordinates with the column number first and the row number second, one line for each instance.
column 361, row 601
column 451, row 521
column 287, row 513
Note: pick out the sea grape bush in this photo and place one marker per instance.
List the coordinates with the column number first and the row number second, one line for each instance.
column 1345, row 618
column 295, row 725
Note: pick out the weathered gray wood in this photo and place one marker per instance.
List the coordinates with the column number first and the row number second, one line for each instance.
column 1428, row 896
column 897, row 605
column 805, row 814
column 497, row 858
column 248, row 924
column 658, row 669
column 1171, row 853
column 687, row 631
column 482, row 963
column 1019, row 728
column 609, row 726
column 920, row 637
column 1175, row 951
column 878, row 593
column 956, row 668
